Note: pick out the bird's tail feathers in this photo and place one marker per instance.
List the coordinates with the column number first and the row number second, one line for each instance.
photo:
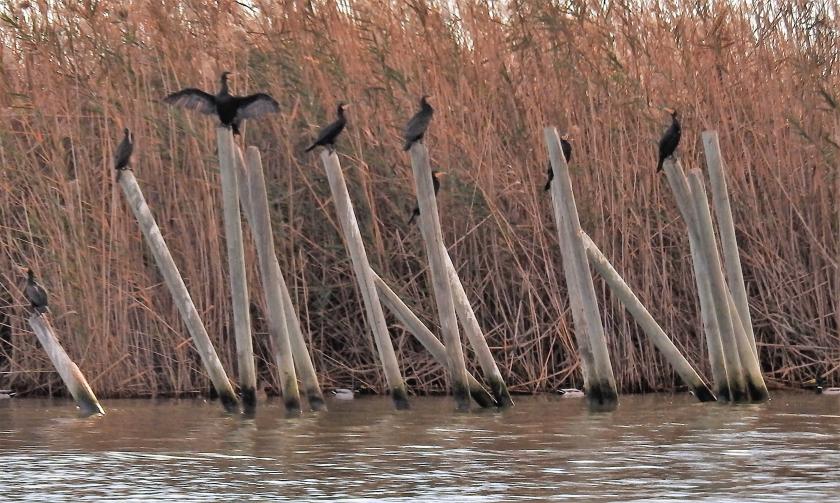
column 310, row 148
column 659, row 166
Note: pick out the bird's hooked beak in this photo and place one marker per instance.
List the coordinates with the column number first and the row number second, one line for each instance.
column 226, row 76
column 567, row 137
column 670, row 111
column 440, row 174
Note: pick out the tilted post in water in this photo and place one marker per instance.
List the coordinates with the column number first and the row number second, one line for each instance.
column 433, row 240
column 236, row 265
column 708, row 247
column 752, row 369
column 364, row 277
column 646, row 321
column 726, row 227
column 303, row 361
column 682, row 195
column 69, row 371
column 475, row 335
column 407, row 317
column 270, row 273
column 175, row 283
column 601, row 392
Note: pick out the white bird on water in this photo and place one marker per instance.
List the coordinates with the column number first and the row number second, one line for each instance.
column 343, row 394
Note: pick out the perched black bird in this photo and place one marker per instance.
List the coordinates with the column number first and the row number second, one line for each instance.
column 232, row 110
column 416, row 127
column 670, row 140
column 436, row 175
column 122, row 159
column 567, row 153
column 328, row 135
column 35, row 293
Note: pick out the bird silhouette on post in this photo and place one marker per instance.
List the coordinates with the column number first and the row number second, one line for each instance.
column 230, row 109
column 417, row 125
column 35, row 293
column 566, row 146
column 670, row 140
column 328, row 135
column 436, row 176
column 122, row 158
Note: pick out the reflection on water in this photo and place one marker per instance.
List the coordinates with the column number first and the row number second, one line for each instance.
column 652, row 448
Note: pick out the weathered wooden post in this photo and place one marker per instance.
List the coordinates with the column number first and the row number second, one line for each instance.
column 682, row 195
column 270, row 273
column 236, row 265
column 646, row 321
column 708, row 247
column 362, row 270
column 475, row 335
column 601, row 391
column 69, row 371
column 407, row 317
column 752, row 369
column 173, row 280
column 726, row 227
column 300, row 353
column 433, row 240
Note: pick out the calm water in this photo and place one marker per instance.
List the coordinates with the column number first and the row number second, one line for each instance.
column 653, row 448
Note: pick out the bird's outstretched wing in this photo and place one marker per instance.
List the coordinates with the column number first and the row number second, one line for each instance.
column 255, row 105
column 193, row 99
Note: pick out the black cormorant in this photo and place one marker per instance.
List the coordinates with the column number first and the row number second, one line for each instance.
column 436, row 184
column 35, row 293
column 567, row 153
column 122, row 159
column 328, row 135
column 670, row 140
column 416, row 127
column 232, row 110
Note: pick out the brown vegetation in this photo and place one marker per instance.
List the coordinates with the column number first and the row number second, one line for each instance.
column 74, row 73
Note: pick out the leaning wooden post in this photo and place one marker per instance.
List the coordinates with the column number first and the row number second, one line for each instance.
column 601, row 393
column 433, row 240
column 726, row 227
column 646, row 321
column 264, row 237
column 69, row 371
column 362, row 270
column 752, row 370
column 708, row 247
column 682, row 195
column 427, row 338
column 300, row 353
column 236, row 265
column 178, row 290
column 475, row 335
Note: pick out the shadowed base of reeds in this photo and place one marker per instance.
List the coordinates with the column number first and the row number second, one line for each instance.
column 400, row 398
column 601, row 397
column 500, row 392
column 315, row 399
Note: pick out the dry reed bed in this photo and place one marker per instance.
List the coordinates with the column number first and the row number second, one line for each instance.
column 73, row 76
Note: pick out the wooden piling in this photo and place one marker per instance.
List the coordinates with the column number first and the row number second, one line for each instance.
column 178, row 290
column 475, row 335
column 304, row 367
column 601, row 392
column 236, row 266
column 646, row 321
column 433, row 240
column 364, row 277
column 270, row 272
column 682, row 196
column 708, row 247
column 69, row 371
column 726, row 228
column 423, row 335
column 752, row 369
